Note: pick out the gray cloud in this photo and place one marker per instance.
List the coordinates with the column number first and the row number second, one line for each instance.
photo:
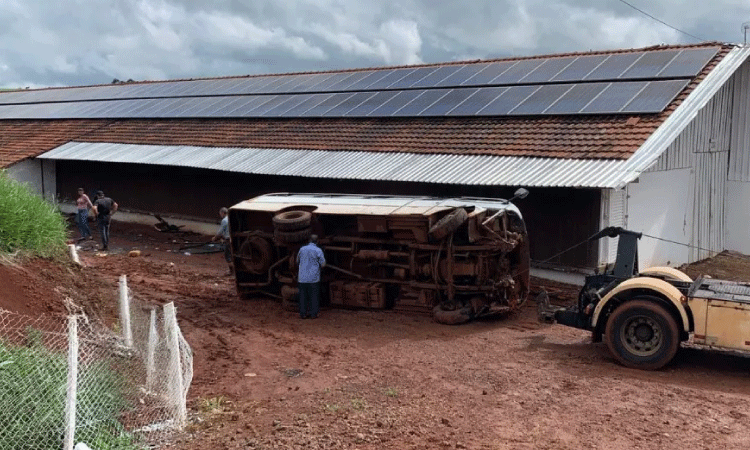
column 90, row 41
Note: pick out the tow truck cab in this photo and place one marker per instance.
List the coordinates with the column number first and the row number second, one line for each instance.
column 644, row 315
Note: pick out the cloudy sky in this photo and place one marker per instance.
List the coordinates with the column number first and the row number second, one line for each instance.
column 73, row 42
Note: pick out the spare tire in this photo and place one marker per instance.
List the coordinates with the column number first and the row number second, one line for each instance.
column 448, row 224
column 292, row 220
column 452, row 317
column 255, row 255
column 292, row 237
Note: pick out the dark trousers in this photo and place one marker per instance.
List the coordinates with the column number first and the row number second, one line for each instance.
column 82, row 219
column 309, row 299
column 103, row 226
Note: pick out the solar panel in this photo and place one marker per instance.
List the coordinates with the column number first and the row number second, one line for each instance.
column 507, row 101
column 291, row 82
column 322, row 107
column 261, row 83
column 270, row 102
column 164, row 105
column 226, row 110
column 450, row 101
column 650, row 64
column 348, row 104
column 294, row 100
column 419, row 104
column 655, row 96
column 279, row 81
column 481, row 98
column 344, row 85
column 582, row 66
column 328, row 82
column 140, row 106
column 541, row 99
column 576, row 98
column 239, row 109
column 518, row 71
column 307, row 81
column 207, row 107
column 371, row 103
column 689, row 62
column 437, row 76
column 488, row 72
column 371, row 78
column 614, row 97
column 391, row 78
column 459, row 76
column 548, row 70
column 613, row 66
column 412, row 78
column 397, row 102
column 314, row 100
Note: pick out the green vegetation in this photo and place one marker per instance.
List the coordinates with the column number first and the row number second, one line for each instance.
column 28, row 222
column 391, row 392
column 32, row 395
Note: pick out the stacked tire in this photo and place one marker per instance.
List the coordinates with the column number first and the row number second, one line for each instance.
column 292, row 227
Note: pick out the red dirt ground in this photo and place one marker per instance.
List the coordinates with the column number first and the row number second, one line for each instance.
column 264, row 379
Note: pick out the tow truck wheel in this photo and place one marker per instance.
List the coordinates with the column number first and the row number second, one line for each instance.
column 642, row 334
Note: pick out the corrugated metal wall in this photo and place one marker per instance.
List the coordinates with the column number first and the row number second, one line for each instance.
column 614, row 214
column 739, row 159
column 710, row 177
column 708, row 132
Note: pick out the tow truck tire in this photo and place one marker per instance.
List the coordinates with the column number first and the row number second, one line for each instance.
column 642, row 334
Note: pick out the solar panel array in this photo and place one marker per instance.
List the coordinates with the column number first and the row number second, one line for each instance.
column 636, row 82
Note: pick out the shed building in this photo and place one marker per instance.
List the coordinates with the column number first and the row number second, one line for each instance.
column 655, row 139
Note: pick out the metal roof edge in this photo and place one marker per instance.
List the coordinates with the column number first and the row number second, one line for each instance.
column 421, row 168
column 669, row 130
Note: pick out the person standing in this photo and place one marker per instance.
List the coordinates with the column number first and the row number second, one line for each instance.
column 223, row 235
column 83, row 203
column 103, row 209
column 310, row 260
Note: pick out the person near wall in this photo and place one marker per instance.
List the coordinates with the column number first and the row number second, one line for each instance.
column 83, row 203
column 103, row 209
column 310, row 260
column 223, row 235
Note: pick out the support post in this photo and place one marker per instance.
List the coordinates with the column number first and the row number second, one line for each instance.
column 127, row 332
column 175, row 368
column 74, row 254
column 72, row 387
column 153, row 337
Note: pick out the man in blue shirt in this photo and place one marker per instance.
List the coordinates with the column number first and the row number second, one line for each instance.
column 310, row 260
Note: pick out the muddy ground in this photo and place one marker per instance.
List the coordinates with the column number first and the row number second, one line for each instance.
column 264, row 379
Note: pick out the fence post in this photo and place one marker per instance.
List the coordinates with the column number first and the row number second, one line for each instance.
column 127, row 333
column 153, row 337
column 72, row 388
column 171, row 330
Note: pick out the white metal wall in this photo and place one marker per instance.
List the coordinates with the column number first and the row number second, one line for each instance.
column 614, row 214
column 738, row 187
column 709, row 187
column 739, row 158
column 710, row 131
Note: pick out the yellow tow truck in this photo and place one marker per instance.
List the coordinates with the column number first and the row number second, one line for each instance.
column 643, row 316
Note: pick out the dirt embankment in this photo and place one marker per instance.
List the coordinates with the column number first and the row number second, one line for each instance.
column 264, row 379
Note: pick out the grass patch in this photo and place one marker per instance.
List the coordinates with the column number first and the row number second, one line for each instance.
column 28, row 222
column 32, row 392
column 358, row 403
column 391, row 392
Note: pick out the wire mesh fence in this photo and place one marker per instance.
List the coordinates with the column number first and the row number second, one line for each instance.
column 67, row 380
